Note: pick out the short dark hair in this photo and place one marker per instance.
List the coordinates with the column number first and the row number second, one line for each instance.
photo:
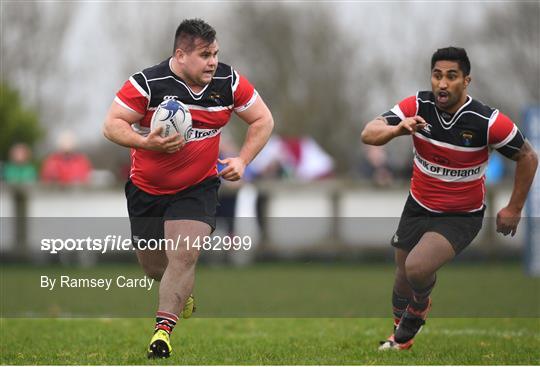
column 453, row 54
column 191, row 29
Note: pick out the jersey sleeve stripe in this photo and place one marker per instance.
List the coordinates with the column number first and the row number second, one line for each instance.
column 249, row 103
column 397, row 111
column 140, row 78
column 492, row 119
column 235, row 81
column 138, row 87
column 121, row 103
column 507, row 139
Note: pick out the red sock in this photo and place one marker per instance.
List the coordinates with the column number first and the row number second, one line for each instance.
column 165, row 321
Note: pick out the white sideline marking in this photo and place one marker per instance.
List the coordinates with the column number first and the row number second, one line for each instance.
column 486, row 332
column 474, row 332
column 369, row 332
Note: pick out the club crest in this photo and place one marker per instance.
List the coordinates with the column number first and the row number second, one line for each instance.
column 216, row 97
column 467, row 137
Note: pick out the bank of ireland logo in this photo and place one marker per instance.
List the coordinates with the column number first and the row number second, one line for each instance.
column 440, row 160
column 467, row 137
column 188, row 135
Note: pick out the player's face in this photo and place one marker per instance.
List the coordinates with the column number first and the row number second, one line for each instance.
column 199, row 65
column 449, row 85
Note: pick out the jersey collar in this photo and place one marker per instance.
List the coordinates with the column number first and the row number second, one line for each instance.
column 195, row 96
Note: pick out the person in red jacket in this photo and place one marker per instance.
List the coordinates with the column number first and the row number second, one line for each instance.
column 66, row 166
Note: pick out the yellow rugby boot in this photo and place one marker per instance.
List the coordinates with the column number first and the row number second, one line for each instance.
column 189, row 307
column 160, row 345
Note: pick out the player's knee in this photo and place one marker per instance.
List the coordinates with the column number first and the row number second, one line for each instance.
column 184, row 260
column 154, row 272
column 416, row 273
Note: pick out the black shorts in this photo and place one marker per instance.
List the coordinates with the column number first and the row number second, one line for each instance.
column 458, row 228
column 148, row 213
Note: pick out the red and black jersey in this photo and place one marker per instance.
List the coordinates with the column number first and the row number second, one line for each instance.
column 163, row 173
column 451, row 153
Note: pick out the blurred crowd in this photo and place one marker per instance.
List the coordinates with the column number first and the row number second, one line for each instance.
column 63, row 167
column 297, row 158
column 300, row 159
column 294, row 158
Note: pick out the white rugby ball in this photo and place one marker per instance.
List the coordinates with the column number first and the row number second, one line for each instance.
column 174, row 116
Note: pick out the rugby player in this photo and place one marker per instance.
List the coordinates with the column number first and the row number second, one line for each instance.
column 173, row 184
column 453, row 135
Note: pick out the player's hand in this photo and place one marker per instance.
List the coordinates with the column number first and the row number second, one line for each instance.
column 507, row 220
column 234, row 168
column 170, row 144
column 410, row 125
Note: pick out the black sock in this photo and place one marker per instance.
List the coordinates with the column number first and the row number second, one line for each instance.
column 399, row 305
column 420, row 297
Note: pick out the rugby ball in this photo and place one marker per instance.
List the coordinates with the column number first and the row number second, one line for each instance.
column 174, row 116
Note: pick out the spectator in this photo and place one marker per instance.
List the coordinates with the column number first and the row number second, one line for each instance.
column 306, row 160
column 20, row 168
column 269, row 163
column 299, row 158
column 378, row 167
column 66, row 166
column 229, row 189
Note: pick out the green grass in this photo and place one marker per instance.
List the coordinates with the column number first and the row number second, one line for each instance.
column 280, row 314
column 279, row 341
column 276, row 290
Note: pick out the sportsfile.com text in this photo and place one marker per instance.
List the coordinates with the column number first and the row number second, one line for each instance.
column 120, row 243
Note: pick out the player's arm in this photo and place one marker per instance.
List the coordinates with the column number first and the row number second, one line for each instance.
column 380, row 132
column 117, row 128
column 526, row 164
column 402, row 119
column 260, row 121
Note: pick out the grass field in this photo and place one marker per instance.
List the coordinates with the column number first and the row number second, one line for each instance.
column 272, row 314
column 275, row 290
column 269, row 341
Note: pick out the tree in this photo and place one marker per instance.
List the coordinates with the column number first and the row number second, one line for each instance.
column 32, row 34
column 18, row 123
column 511, row 68
column 300, row 61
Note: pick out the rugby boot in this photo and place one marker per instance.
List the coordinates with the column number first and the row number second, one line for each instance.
column 390, row 343
column 160, row 345
column 411, row 323
column 189, row 307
